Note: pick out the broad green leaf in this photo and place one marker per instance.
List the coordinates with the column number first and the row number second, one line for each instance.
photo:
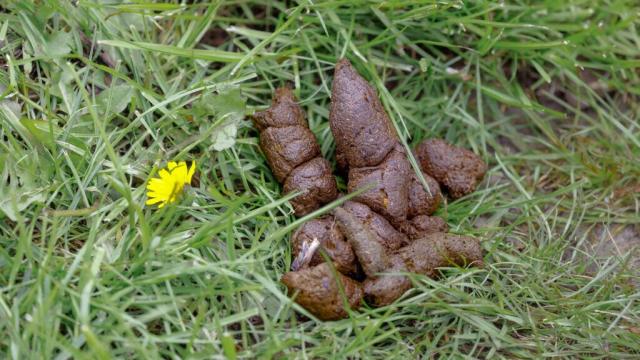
column 225, row 137
column 115, row 99
column 40, row 131
column 19, row 200
column 56, row 139
column 227, row 110
column 58, row 44
column 229, row 102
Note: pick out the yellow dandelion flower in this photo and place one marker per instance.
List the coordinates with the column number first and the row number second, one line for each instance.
column 166, row 189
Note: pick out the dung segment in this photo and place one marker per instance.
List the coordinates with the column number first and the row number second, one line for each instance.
column 391, row 239
column 421, row 200
column 284, row 111
column 389, row 182
column 365, row 243
column 423, row 225
column 386, row 288
column 458, row 170
column 317, row 289
column 361, row 128
column 293, row 154
column 436, row 250
column 287, row 147
column 316, row 183
column 325, row 230
column 424, row 256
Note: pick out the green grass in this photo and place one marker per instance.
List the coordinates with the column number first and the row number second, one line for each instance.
column 546, row 91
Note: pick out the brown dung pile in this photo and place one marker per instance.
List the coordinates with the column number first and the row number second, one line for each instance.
column 386, row 230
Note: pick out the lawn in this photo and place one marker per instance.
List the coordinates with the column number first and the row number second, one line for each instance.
column 97, row 96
